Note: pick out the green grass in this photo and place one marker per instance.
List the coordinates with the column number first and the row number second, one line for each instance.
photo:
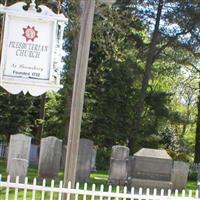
column 97, row 178
column 191, row 185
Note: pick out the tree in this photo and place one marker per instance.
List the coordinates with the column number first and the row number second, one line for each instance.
column 111, row 76
column 147, row 73
column 163, row 36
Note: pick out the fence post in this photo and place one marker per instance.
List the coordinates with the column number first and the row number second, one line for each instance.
column 198, row 188
column 198, row 180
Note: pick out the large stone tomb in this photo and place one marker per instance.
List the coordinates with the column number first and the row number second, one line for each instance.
column 118, row 165
column 152, row 169
column 50, row 157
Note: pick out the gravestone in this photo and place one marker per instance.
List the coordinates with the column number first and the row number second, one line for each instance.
column 118, row 165
column 34, row 155
column 93, row 162
column 19, row 168
column 180, row 174
column 50, row 156
column 63, row 157
column 18, row 155
column 84, row 160
column 130, row 166
column 152, row 169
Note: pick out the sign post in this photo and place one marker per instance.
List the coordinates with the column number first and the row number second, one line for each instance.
column 88, row 8
column 31, row 49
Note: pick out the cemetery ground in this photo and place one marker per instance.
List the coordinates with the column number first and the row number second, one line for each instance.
column 98, row 178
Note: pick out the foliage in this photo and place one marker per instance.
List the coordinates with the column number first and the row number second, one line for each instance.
column 103, row 155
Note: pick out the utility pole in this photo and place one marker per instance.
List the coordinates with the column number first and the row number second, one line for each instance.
column 88, row 7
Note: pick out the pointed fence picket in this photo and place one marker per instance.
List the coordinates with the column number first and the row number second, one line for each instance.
column 23, row 191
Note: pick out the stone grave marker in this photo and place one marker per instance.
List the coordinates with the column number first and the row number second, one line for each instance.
column 180, row 175
column 50, row 157
column 152, row 169
column 130, row 166
column 19, row 168
column 84, row 160
column 63, row 157
column 118, row 165
column 18, row 156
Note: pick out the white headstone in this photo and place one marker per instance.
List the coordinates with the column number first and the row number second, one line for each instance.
column 50, row 156
column 180, row 175
column 118, row 165
column 19, row 148
column 18, row 168
column 120, row 152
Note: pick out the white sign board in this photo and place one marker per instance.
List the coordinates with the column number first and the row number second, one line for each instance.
column 27, row 50
column 30, row 53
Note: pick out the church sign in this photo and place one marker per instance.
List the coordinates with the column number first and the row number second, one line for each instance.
column 31, row 50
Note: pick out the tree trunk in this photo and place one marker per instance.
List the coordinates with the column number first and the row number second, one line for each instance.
column 42, row 117
column 147, row 73
column 197, row 139
column 188, row 117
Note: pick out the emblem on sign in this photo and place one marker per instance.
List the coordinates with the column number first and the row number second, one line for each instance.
column 30, row 33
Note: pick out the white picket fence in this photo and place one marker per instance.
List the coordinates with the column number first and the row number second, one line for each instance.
column 23, row 191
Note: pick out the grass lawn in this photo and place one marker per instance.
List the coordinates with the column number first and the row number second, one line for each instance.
column 98, row 178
